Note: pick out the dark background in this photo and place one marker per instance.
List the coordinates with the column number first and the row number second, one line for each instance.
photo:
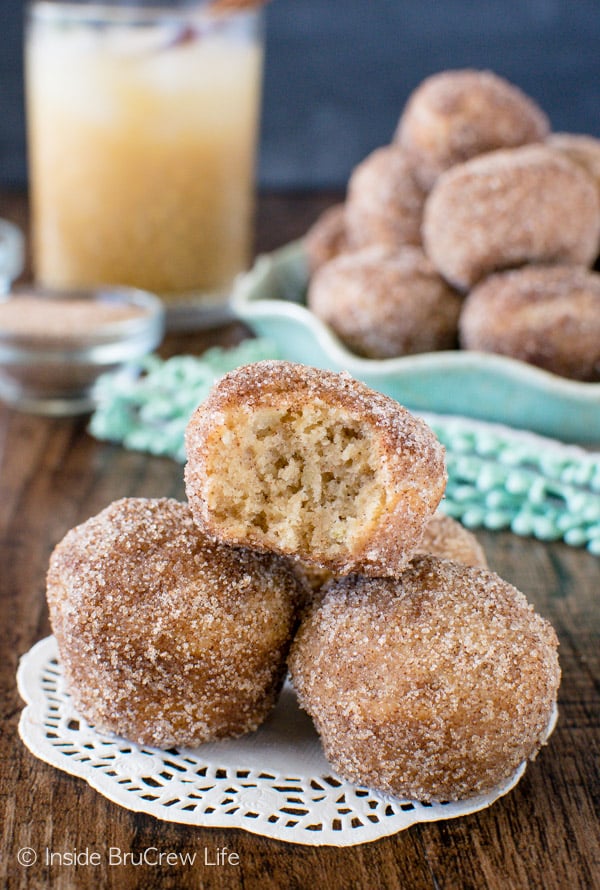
column 338, row 73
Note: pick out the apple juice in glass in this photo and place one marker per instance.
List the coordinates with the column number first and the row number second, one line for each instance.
column 142, row 129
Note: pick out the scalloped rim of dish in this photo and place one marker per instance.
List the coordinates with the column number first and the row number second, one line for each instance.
column 246, row 303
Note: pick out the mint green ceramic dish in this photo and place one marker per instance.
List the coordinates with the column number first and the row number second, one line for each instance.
column 270, row 300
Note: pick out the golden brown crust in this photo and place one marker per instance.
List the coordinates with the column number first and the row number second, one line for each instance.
column 165, row 637
column 453, row 116
column 385, row 202
column 434, row 686
column 384, row 302
column 548, row 316
column 288, row 441
column 507, row 208
column 327, row 237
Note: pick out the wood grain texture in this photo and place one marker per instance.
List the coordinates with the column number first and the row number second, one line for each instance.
column 542, row 836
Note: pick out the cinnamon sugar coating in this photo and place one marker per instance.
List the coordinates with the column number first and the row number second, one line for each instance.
column 580, row 148
column 453, row 116
column 434, row 686
column 385, row 202
column 384, row 303
column 327, row 237
column 507, row 208
column 312, row 464
column 166, row 637
column 446, row 538
column 548, row 316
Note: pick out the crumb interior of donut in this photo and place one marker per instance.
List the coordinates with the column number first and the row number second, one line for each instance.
column 298, row 479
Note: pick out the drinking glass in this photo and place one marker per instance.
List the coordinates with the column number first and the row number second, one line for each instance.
column 142, row 129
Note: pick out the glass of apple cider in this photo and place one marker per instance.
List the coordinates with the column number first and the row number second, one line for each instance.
column 142, row 129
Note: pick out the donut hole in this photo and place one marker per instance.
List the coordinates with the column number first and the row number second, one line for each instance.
column 304, row 478
column 432, row 686
column 167, row 637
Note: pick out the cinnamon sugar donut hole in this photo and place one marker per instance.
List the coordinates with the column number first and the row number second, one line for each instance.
column 455, row 115
column 312, row 464
column 434, row 686
column 384, row 303
column 548, row 316
column 326, row 238
column 385, row 202
column 165, row 637
column 446, row 538
column 507, row 208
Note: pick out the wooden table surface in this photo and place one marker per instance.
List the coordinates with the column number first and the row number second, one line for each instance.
column 544, row 834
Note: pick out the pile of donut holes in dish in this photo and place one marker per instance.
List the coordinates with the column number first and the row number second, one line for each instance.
column 477, row 227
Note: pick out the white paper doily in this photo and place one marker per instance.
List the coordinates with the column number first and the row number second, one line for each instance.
column 274, row 782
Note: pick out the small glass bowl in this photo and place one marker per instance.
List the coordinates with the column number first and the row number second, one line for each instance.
column 12, row 254
column 55, row 344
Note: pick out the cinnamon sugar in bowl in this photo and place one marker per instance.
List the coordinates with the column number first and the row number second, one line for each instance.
column 54, row 345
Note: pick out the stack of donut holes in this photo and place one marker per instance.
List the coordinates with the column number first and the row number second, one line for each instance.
column 477, row 227
column 311, row 540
